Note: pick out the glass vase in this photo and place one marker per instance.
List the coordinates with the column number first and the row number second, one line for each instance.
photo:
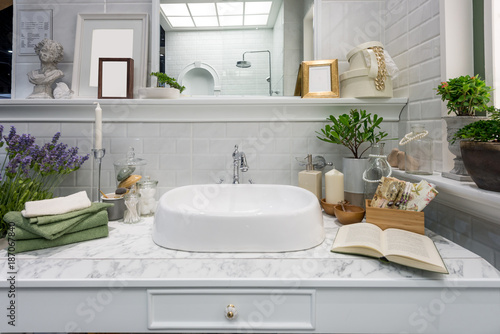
column 378, row 167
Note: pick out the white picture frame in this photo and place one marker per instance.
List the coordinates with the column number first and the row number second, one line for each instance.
column 108, row 36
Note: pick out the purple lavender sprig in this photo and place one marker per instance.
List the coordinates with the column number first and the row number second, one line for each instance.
column 31, row 172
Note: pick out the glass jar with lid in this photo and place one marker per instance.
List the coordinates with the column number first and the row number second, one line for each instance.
column 129, row 171
column 147, row 202
column 418, row 151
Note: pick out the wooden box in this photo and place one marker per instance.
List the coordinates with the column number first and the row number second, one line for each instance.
column 412, row 221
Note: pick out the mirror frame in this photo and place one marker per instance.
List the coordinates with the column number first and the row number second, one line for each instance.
column 155, row 37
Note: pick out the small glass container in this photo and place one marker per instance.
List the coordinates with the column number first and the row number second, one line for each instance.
column 129, row 170
column 418, row 153
column 378, row 167
column 131, row 214
column 147, row 188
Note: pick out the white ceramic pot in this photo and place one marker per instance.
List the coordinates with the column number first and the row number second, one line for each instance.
column 354, row 186
column 353, row 174
column 159, row 93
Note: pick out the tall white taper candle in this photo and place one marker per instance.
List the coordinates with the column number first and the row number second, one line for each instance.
column 98, row 127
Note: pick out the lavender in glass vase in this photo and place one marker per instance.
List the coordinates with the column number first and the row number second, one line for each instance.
column 31, row 172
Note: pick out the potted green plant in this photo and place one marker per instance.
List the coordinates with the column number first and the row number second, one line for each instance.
column 357, row 131
column 166, row 88
column 480, row 148
column 464, row 96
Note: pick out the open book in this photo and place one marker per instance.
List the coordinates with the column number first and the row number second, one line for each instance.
column 394, row 245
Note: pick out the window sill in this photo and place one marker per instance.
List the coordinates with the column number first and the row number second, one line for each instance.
column 463, row 196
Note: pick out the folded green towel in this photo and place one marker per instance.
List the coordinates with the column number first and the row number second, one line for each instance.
column 87, row 222
column 41, row 243
column 60, row 225
column 93, row 208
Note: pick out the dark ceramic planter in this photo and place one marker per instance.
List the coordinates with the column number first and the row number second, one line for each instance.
column 482, row 161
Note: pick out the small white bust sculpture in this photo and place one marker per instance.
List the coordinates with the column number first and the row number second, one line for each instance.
column 50, row 53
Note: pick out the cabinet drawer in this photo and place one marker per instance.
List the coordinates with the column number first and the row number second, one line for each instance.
column 257, row 309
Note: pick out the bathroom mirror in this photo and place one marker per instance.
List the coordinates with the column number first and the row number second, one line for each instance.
column 217, row 35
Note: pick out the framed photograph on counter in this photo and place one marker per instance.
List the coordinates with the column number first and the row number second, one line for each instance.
column 108, row 36
column 318, row 79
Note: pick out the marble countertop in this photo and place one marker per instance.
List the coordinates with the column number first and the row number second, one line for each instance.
column 129, row 255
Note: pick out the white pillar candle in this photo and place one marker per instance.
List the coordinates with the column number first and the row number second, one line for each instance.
column 334, row 186
column 98, row 127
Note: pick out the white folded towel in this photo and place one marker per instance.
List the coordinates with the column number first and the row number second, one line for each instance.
column 56, row 206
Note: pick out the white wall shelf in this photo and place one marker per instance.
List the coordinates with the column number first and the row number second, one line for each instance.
column 212, row 109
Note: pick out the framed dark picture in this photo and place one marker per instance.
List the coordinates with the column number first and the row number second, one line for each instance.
column 116, row 78
column 319, row 78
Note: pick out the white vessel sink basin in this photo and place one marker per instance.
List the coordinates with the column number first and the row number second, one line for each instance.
column 238, row 218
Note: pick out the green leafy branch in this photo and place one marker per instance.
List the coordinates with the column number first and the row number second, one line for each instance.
column 164, row 79
column 353, row 129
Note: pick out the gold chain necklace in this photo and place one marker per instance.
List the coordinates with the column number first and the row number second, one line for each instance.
column 382, row 70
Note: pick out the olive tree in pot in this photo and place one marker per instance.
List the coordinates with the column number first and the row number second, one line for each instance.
column 357, row 132
column 464, row 96
column 480, row 148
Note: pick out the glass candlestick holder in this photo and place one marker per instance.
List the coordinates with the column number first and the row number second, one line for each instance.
column 99, row 153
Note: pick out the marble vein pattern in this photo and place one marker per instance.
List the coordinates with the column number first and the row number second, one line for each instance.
column 129, row 253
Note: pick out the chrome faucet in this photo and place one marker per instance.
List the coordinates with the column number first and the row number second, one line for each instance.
column 239, row 164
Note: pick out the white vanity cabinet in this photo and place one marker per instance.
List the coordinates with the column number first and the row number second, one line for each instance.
column 126, row 283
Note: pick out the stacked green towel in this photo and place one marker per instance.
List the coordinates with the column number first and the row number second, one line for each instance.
column 56, row 230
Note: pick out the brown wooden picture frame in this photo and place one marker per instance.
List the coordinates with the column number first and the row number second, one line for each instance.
column 319, row 79
column 116, row 78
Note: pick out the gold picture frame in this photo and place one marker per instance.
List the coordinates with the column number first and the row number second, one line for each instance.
column 319, row 79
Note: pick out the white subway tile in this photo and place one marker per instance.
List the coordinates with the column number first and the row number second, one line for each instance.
column 160, row 145
column 209, row 130
column 122, row 145
column 143, row 129
column 200, row 146
column 42, row 129
column 175, row 162
column 177, row 130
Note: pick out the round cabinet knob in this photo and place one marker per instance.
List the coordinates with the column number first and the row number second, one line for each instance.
column 230, row 312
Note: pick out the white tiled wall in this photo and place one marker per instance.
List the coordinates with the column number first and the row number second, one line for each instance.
column 409, row 31
column 412, row 38
column 193, row 153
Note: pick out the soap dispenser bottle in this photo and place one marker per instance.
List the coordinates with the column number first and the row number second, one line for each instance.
column 310, row 179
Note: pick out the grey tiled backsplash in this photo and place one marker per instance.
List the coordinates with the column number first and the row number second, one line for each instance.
column 480, row 236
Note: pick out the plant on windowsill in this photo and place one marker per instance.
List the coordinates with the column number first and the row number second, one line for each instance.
column 480, row 147
column 465, row 96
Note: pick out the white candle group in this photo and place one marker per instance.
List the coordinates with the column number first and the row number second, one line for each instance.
column 334, row 186
column 98, row 127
